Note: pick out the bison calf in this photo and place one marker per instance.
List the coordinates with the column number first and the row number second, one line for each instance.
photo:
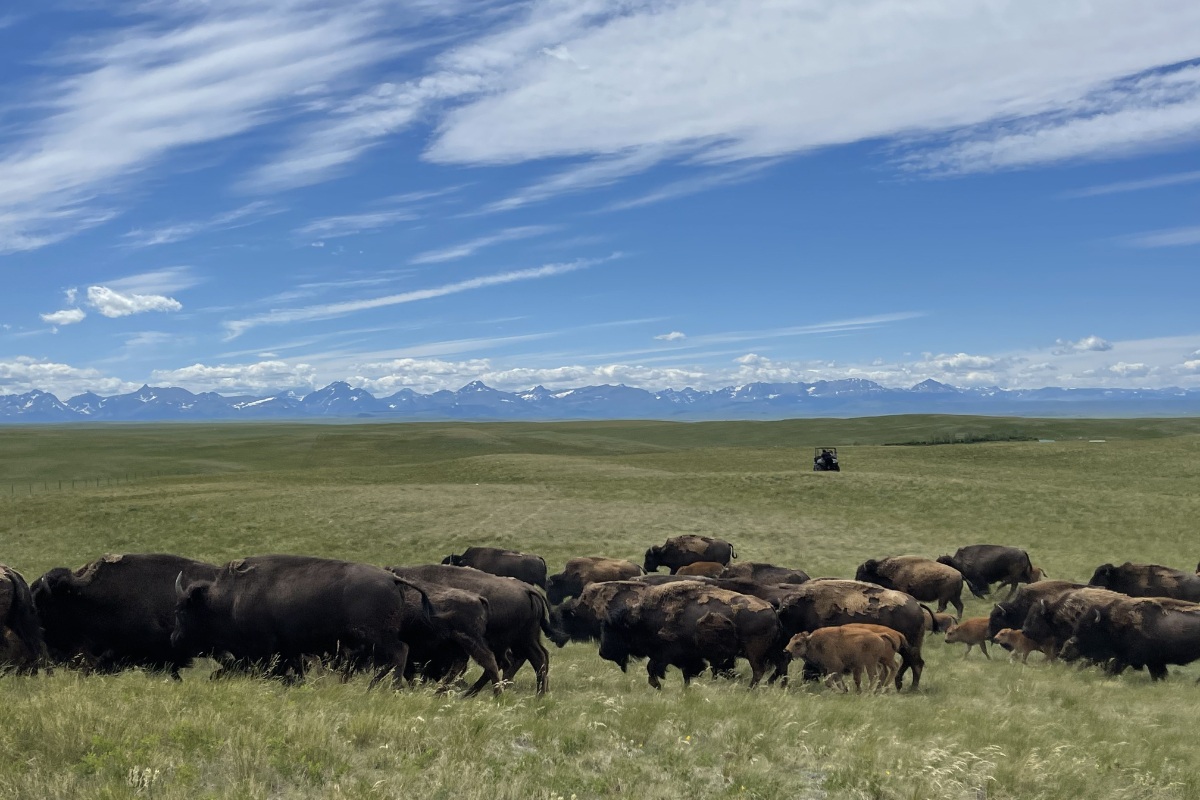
column 1021, row 644
column 970, row 632
column 707, row 569
column 848, row 649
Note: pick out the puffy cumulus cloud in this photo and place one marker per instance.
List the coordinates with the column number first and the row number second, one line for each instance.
column 1087, row 344
column 1123, row 370
column 68, row 316
column 238, row 378
column 673, row 336
column 114, row 304
column 25, row 374
column 1189, row 367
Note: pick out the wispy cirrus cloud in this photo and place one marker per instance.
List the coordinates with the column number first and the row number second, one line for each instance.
column 464, row 249
column 177, row 232
column 1136, row 186
column 1172, row 237
column 187, row 74
column 236, row 328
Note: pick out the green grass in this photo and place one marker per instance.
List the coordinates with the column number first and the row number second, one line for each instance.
column 411, row 493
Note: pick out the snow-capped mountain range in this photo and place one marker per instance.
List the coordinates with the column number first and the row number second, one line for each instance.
column 481, row 402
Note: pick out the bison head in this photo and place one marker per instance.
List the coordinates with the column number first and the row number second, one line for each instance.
column 561, row 586
column 1038, row 624
column 797, row 647
column 1003, row 616
column 453, row 560
column 653, row 559
column 1089, row 639
column 868, row 571
column 1103, row 576
column 949, row 562
column 191, row 635
column 565, row 624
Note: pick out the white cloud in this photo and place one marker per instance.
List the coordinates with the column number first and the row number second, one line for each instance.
column 1123, row 370
column 68, row 316
column 331, row 310
column 730, row 76
column 1175, row 237
column 238, row 217
column 238, row 378
column 1088, row 343
column 24, row 374
column 190, row 73
column 673, row 336
column 591, row 175
column 1190, row 367
column 465, row 249
column 1155, row 109
column 114, row 304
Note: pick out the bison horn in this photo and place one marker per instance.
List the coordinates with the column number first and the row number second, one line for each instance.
column 1096, row 613
column 179, row 591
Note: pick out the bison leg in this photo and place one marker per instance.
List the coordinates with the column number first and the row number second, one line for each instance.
column 983, row 647
column 910, row 660
column 1158, row 672
column 857, row 671
column 655, row 672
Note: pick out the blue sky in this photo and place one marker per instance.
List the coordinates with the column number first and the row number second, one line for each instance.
column 247, row 196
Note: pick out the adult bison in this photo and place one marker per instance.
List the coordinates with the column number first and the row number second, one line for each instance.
column 923, row 578
column 1012, row 613
column 517, row 616
column 582, row 572
column 20, row 631
column 679, row 551
column 828, row 602
column 759, row 572
column 116, row 612
column 277, row 609
column 1151, row 632
column 1148, row 580
column 505, row 563
column 692, row 626
column 1050, row 621
column 580, row 619
column 982, row 565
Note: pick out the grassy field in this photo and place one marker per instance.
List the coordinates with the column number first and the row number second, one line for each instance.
column 411, row 493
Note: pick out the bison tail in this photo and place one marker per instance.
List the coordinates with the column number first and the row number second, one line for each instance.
column 732, row 553
column 427, row 610
column 932, row 618
column 541, row 607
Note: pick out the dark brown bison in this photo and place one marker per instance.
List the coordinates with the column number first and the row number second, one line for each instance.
column 689, row 548
column 1148, row 580
column 982, row 565
column 692, row 626
column 1149, row 632
column 923, row 578
column 1012, row 613
column 580, row 619
column 759, row 572
column 1050, row 621
column 20, row 631
column 277, row 609
column 517, row 616
column 583, row 572
column 441, row 642
column 506, row 563
column 829, row 602
column 116, row 612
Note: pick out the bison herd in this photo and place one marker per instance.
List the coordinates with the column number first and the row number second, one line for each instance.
column 280, row 614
